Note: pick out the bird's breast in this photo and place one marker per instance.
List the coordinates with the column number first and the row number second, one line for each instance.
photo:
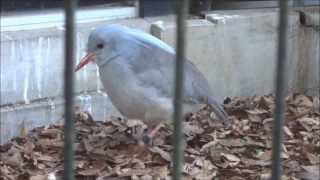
column 131, row 98
column 135, row 99
column 118, row 81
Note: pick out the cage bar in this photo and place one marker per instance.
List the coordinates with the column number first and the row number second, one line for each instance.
column 281, row 89
column 70, row 6
column 178, row 157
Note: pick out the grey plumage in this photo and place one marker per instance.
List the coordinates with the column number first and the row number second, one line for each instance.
column 137, row 71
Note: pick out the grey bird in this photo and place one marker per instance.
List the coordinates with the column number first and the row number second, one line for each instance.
column 137, row 72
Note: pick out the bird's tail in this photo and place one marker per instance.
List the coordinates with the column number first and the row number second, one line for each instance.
column 219, row 111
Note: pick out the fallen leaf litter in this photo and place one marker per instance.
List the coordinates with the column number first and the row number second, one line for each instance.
column 107, row 150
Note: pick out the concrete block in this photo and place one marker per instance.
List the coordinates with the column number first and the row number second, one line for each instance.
column 50, row 111
column 308, row 74
column 236, row 50
column 32, row 68
column 310, row 16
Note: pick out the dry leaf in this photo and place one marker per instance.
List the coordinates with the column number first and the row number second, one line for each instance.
column 302, row 100
column 50, row 133
column 230, row 157
column 288, row 132
column 105, row 150
column 28, row 147
column 310, row 173
column 42, row 157
column 309, row 123
column 190, row 129
column 265, row 176
column 265, row 155
column 13, row 158
column 314, row 159
column 89, row 172
column 51, row 176
column 232, row 142
column 208, row 145
column 165, row 155
column 160, row 171
column 257, row 111
column 38, row 177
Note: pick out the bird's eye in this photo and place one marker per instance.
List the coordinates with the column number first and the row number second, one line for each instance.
column 99, row 46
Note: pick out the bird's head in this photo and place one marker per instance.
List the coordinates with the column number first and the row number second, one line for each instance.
column 108, row 42
column 101, row 46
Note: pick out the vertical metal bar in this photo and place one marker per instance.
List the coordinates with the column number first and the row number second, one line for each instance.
column 178, row 152
column 281, row 88
column 141, row 8
column 68, row 89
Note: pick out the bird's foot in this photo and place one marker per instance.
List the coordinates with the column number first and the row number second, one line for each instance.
column 147, row 140
column 147, row 136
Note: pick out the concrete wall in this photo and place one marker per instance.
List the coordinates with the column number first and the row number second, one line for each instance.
column 236, row 50
column 307, row 76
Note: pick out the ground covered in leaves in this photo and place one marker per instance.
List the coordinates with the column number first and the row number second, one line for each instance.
column 107, row 150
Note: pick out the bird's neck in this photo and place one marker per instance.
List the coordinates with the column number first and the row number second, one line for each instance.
column 107, row 60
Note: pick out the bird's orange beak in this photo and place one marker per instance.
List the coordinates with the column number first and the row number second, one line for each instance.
column 85, row 60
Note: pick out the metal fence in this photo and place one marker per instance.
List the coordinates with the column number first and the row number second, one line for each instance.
column 182, row 11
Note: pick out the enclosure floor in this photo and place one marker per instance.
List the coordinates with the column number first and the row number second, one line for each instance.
column 107, row 150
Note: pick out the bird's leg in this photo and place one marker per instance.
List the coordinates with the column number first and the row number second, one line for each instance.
column 149, row 133
column 155, row 130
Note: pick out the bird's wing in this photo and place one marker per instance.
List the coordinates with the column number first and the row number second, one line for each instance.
column 155, row 67
column 201, row 89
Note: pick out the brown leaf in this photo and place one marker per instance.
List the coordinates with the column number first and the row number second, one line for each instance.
column 208, row 145
column 43, row 157
column 88, row 147
column 267, row 176
column 253, row 162
column 90, row 172
column 134, row 122
column 232, row 142
column 310, row 173
column 50, row 133
column 314, row 159
column 288, row 132
column 309, row 123
column 230, row 157
column 38, row 177
column 52, row 176
column 80, row 164
column 146, row 177
column 128, row 172
column 191, row 129
column 251, row 142
column 200, row 169
column 164, row 154
column 13, row 157
column 50, row 143
column 268, row 120
column 265, row 155
column 160, row 171
column 257, row 111
column 28, row 147
column 302, row 100
column 255, row 118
